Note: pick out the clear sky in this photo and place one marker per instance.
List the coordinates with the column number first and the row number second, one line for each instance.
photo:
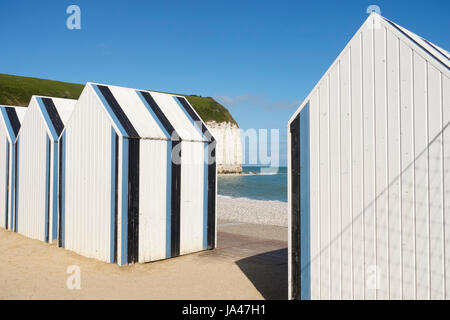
column 259, row 58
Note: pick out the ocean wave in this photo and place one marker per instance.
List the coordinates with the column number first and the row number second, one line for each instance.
column 246, row 198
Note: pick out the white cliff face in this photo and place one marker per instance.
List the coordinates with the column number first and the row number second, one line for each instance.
column 228, row 148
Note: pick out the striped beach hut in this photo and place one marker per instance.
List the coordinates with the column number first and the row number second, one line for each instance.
column 369, row 175
column 38, row 167
column 139, row 177
column 10, row 118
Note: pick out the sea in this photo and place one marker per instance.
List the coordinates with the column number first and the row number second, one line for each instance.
column 260, row 183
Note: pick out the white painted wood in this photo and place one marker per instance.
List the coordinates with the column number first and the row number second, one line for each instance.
column 177, row 117
column 446, row 177
column 324, row 180
column 435, row 178
column 421, row 177
column 31, row 163
column 88, row 179
column 369, row 163
column 192, row 195
column 346, row 176
column 407, row 177
column 153, row 199
column 379, row 179
column 394, row 168
column 4, row 182
column 315, row 225
column 381, row 163
column 142, row 120
column 357, row 169
column 335, row 187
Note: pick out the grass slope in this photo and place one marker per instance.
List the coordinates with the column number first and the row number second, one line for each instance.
column 17, row 91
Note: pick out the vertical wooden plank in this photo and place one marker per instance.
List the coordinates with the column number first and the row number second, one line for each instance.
column 381, row 120
column 289, row 196
column 436, row 184
column 357, row 169
column 394, row 172
column 346, row 177
column 421, row 176
column 295, row 208
column 315, row 192
column 446, row 176
column 4, row 180
column 324, row 192
column 407, row 176
column 369, row 164
column 335, row 194
column 305, row 248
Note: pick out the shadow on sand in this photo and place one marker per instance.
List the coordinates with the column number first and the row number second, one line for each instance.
column 268, row 272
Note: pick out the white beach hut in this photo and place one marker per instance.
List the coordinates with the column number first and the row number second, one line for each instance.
column 10, row 120
column 38, row 167
column 126, row 194
column 369, row 175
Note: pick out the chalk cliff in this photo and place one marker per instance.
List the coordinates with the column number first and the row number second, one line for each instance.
column 229, row 148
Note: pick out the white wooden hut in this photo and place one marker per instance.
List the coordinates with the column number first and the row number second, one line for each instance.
column 10, row 120
column 127, row 195
column 369, row 175
column 36, row 212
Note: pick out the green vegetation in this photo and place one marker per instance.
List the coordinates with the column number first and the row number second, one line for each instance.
column 17, row 91
column 209, row 109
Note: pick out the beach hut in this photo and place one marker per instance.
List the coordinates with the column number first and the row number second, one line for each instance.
column 139, row 177
column 369, row 172
column 38, row 167
column 10, row 118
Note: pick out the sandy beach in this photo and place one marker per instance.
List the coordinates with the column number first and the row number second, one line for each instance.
column 251, row 260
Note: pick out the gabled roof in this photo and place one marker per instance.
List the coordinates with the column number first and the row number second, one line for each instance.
column 11, row 118
column 149, row 115
column 433, row 50
column 55, row 113
column 435, row 55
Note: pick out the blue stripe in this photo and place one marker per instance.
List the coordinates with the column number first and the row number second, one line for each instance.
column 63, row 189
column 6, row 182
column 305, row 255
column 124, row 230
column 195, row 124
column 205, row 195
column 47, row 118
column 47, row 182
column 122, row 130
column 155, row 117
column 55, row 192
column 14, row 186
column 169, row 200
column 113, row 194
column 9, row 126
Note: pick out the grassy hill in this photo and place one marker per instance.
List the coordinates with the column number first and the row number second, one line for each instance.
column 17, row 91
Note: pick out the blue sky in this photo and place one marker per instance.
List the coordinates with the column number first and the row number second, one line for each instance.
column 259, row 58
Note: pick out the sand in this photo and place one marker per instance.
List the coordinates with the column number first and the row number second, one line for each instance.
column 251, row 261
column 252, row 211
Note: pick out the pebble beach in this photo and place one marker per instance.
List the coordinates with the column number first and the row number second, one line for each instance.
column 246, row 210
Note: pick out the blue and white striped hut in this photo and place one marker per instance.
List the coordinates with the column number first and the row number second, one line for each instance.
column 10, row 120
column 38, row 167
column 139, row 177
